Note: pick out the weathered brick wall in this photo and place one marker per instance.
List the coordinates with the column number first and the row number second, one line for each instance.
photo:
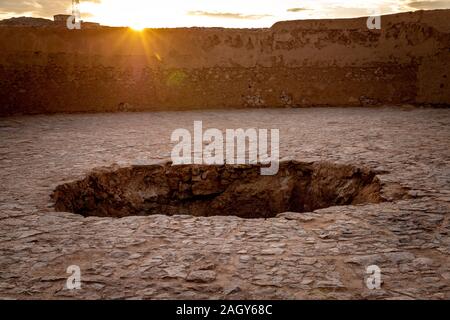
column 301, row 63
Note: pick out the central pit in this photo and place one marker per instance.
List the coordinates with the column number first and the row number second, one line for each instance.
column 227, row 190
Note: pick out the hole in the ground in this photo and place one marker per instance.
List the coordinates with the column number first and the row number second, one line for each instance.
column 201, row 190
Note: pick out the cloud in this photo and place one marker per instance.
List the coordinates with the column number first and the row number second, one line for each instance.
column 429, row 4
column 297, row 9
column 37, row 8
column 228, row 15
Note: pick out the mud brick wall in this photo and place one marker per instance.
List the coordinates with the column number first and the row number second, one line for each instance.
column 292, row 64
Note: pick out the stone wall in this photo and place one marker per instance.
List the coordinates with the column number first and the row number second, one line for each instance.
column 294, row 64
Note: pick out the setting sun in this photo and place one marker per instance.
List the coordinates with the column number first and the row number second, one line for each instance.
column 136, row 26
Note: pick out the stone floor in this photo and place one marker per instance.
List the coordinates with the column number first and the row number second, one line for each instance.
column 320, row 255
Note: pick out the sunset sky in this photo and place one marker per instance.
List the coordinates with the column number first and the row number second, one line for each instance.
column 221, row 13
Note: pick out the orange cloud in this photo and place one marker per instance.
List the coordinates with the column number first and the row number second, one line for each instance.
column 228, row 15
